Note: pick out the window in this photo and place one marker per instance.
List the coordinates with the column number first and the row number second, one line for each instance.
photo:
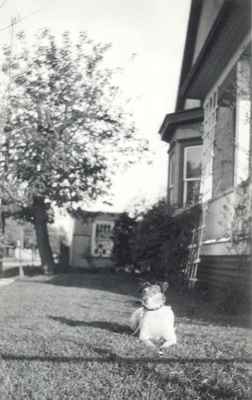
column 103, row 231
column 192, row 174
column 101, row 239
column 171, row 180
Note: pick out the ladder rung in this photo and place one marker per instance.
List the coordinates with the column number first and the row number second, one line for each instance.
column 192, row 246
column 201, row 227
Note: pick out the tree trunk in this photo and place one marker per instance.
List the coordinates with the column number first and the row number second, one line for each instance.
column 40, row 224
column 64, row 257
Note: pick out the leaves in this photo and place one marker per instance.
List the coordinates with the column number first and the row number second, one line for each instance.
column 66, row 127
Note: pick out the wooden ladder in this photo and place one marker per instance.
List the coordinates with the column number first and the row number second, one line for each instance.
column 193, row 261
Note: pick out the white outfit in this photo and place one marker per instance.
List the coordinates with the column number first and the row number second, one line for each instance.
column 154, row 324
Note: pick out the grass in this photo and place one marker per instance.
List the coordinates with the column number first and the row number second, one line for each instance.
column 67, row 337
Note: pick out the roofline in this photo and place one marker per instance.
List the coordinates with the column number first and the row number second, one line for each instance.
column 191, row 34
column 174, row 120
column 217, row 25
column 188, row 74
column 79, row 211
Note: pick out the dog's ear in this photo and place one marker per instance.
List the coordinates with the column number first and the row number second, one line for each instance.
column 164, row 286
column 142, row 285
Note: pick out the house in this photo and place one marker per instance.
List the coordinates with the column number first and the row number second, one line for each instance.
column 91, row 243
column 210, row 144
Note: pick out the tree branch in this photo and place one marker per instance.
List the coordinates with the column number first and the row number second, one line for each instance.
column 11, row 195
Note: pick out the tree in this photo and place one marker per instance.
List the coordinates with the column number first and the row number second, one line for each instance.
column 65, row 130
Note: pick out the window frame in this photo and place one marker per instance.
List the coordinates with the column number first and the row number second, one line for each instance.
column 95, row 238
column 171, row 174
column 185, row 179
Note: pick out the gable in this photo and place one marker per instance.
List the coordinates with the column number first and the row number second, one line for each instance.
column 215, row 32
column 203, row 14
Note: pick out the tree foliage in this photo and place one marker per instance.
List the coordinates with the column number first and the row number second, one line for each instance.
column 62, row 115
column 66, row 131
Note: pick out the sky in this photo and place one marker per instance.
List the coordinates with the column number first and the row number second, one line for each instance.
column 147, row 40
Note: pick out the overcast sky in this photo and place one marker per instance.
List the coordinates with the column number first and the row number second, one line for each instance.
column 152, row 30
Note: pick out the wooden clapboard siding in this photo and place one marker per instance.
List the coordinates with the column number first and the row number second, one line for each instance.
column 222, row 271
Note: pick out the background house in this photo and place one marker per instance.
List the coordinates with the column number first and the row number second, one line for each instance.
column 210, row 140
column 91, row 245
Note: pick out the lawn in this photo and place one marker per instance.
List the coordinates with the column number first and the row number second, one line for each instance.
column 67, row 337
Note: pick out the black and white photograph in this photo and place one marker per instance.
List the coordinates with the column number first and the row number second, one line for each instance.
column 125, row 200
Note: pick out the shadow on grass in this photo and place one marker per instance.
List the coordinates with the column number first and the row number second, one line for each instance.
column 112, row 357
column 122, row 283
column 186, row 307
column 108, row 326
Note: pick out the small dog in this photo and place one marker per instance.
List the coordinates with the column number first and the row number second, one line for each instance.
column 154, row 320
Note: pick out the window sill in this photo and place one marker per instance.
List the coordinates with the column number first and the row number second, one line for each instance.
column 182, row 209
column 189, row 206
column 216, row 241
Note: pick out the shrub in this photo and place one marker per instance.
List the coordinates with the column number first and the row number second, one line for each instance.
column 157, row 242
column 162, row 238
column 123, row 237
column 152, row 231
